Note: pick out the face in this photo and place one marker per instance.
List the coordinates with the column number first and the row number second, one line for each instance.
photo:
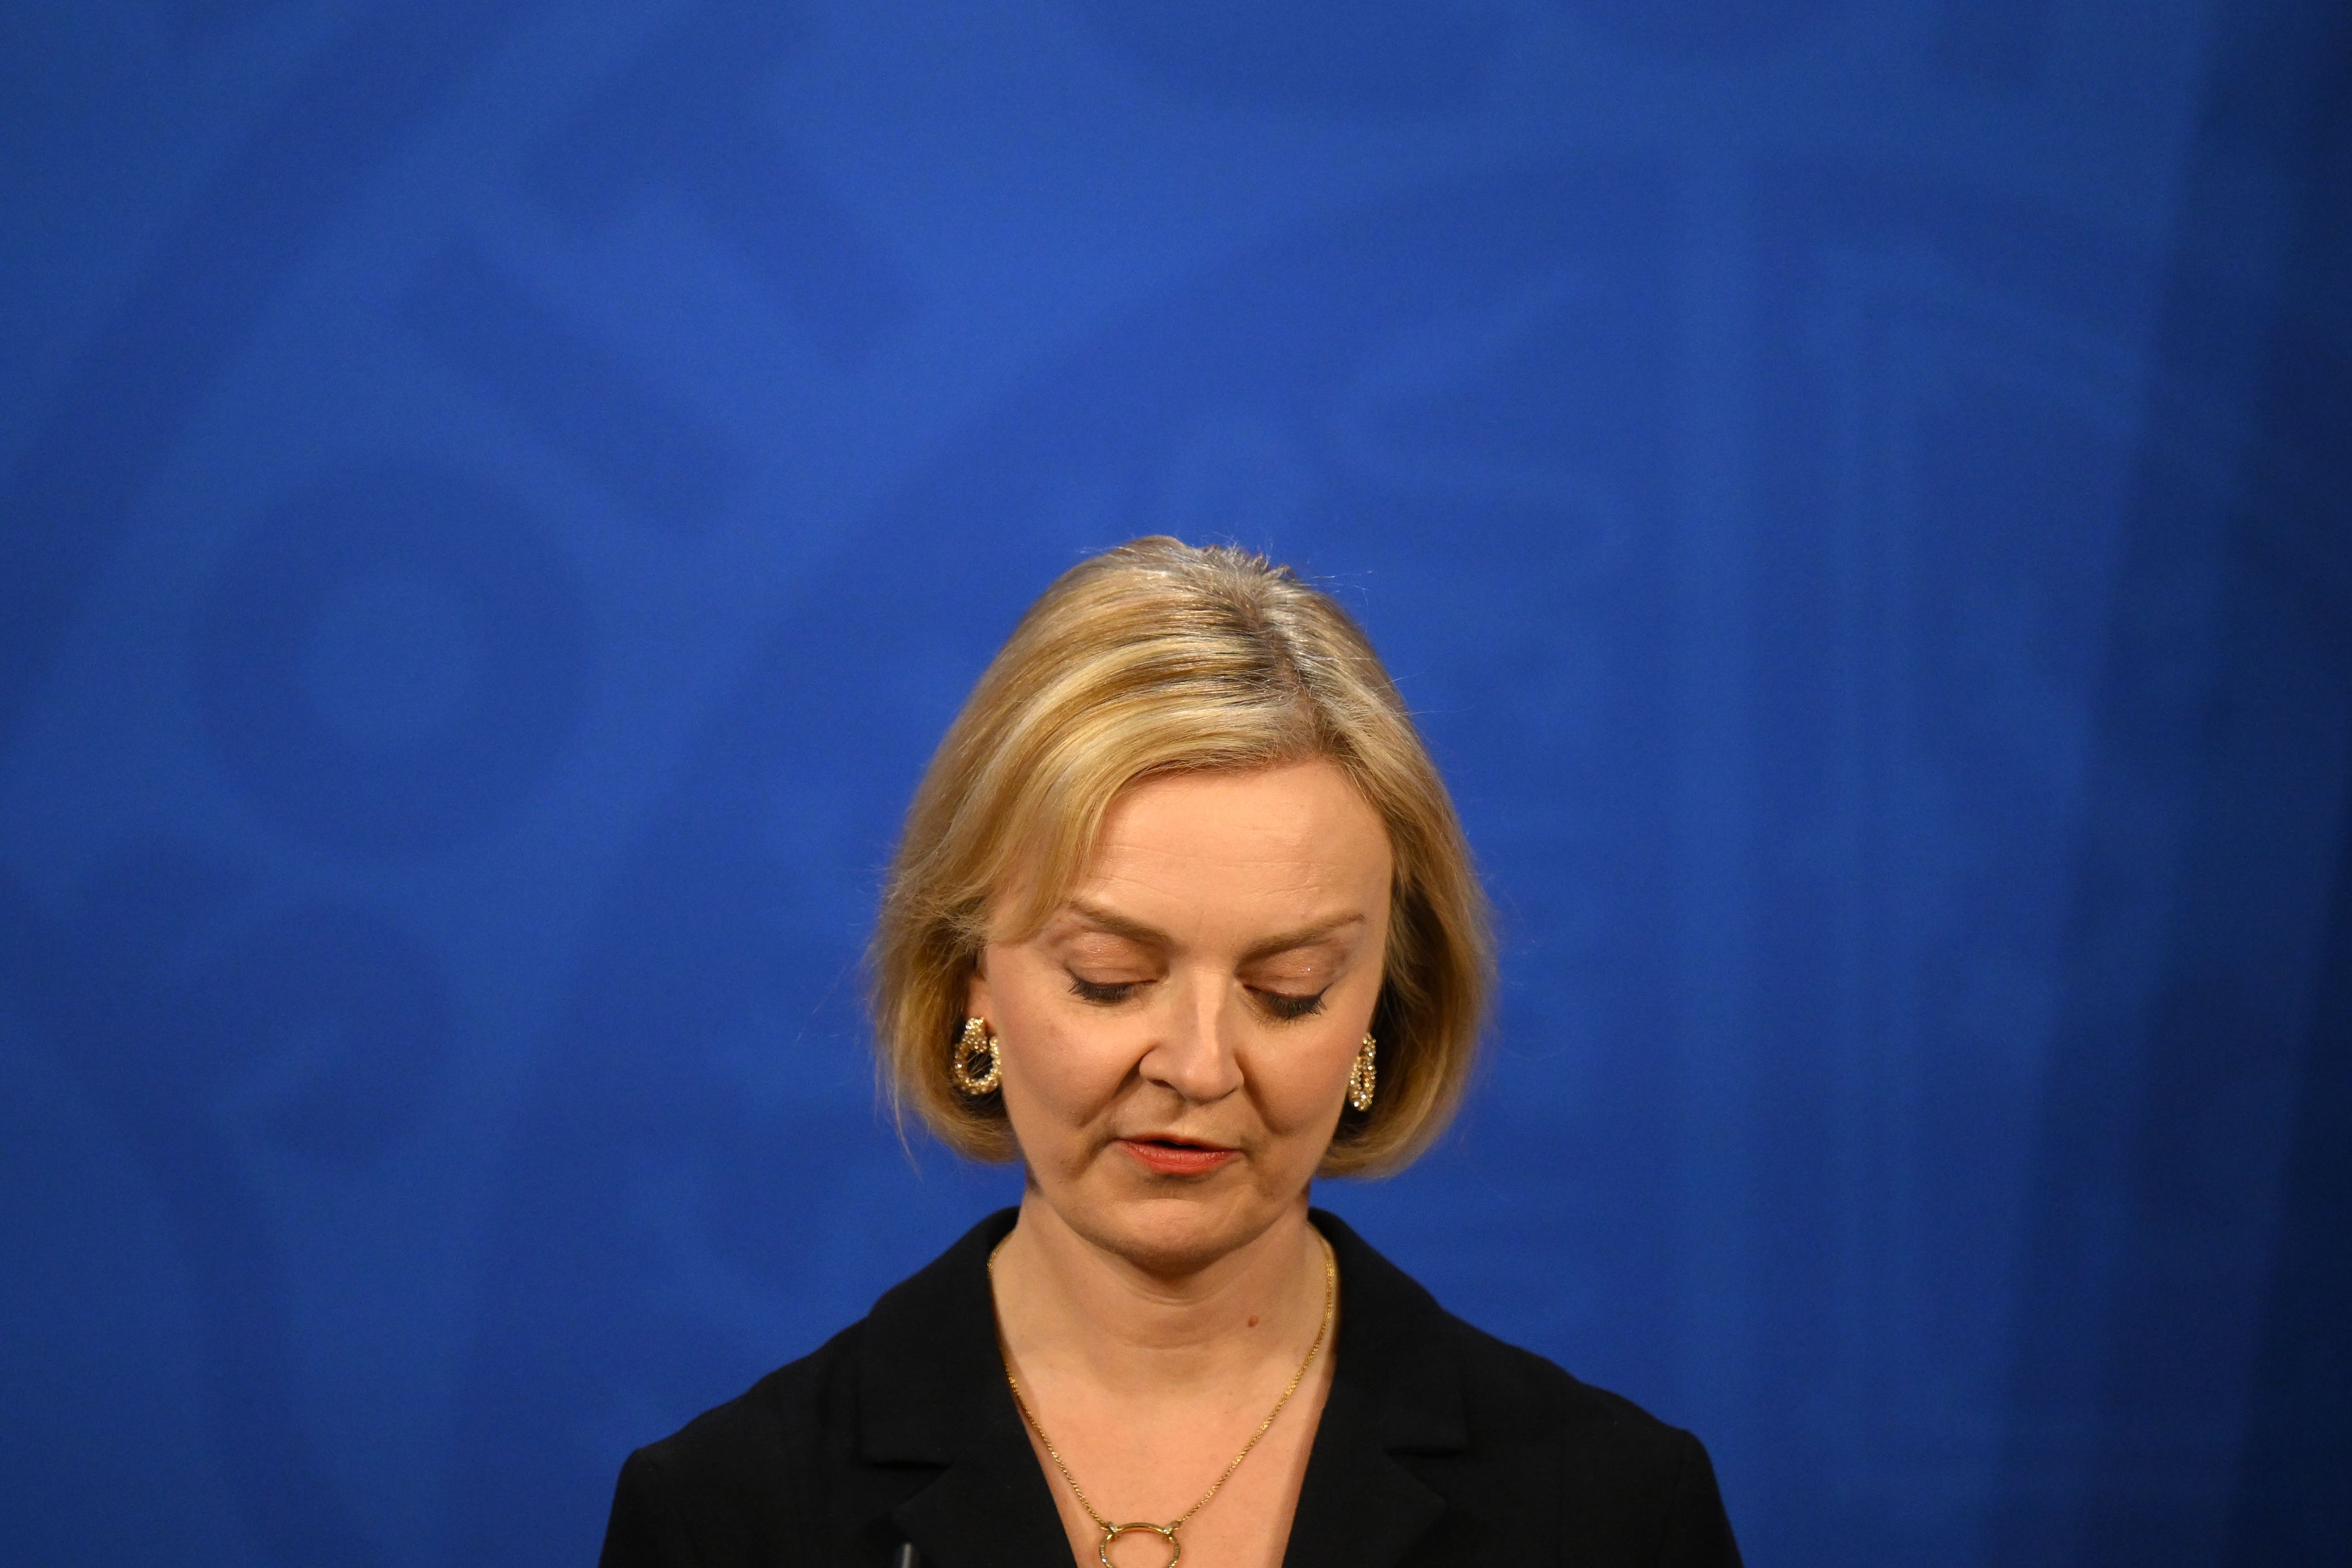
column 1177, row 1036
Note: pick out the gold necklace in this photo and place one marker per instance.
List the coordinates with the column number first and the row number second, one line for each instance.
column 1167, row 1532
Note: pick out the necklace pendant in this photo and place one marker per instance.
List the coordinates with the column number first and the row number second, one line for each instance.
column 1165, row 1532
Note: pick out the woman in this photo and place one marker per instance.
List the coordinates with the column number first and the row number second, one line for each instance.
column 1181, row 918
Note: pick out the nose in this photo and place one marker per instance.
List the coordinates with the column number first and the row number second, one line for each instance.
column 1195, row 1053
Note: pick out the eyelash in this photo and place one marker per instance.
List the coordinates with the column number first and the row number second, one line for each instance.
column 1289, row 1008
column 1284, row 1007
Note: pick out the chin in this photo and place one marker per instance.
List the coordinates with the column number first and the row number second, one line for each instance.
column 1175, row 1227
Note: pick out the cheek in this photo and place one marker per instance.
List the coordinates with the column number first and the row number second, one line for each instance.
column 1051, row 1069
column 1056, row 1067
column 1302, row 1083
column 1018, row 1000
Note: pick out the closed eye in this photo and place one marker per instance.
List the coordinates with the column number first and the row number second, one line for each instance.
column 1286, row 1007
column 1103, row 994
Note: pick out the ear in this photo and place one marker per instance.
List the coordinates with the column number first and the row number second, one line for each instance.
column 977, row 1000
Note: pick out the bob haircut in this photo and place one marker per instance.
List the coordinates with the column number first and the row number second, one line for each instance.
column 1158, row 657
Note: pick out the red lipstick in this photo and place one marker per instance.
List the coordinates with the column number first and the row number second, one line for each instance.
column 1168, row 1157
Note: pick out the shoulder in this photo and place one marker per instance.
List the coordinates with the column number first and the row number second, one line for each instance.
column 1627, row 1486
column 1515, row 1442
column 815, row 1457
column 735, row 1475
column 1516, row 1395
column 791, row 1409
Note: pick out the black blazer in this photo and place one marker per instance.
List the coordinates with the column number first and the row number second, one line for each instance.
column 1438, row 1445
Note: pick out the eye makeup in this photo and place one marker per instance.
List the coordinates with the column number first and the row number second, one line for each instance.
column 1287, row 1008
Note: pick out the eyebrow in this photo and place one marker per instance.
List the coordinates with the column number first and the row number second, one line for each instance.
column 1137, row 932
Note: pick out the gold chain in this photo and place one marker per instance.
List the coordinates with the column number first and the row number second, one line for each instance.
column 1168, row 1532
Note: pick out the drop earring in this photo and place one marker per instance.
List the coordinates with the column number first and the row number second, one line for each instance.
column 1361, row 1077
column 977, row 1062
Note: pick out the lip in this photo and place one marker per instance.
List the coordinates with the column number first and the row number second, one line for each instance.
column 1176, row 1156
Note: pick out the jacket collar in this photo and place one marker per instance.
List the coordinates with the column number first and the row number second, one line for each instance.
column 1395, row 1389
column 932, row 1391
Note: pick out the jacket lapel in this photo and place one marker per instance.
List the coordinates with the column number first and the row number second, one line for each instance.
column 986, row 1512
column 1395, row 1389
column 931, row 1391
column 1358, row 1506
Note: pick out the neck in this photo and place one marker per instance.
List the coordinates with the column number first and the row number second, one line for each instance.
column 1068, row 1302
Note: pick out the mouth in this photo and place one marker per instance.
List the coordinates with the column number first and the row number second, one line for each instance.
column 1169, row 1154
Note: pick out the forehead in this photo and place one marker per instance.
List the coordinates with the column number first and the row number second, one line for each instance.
column 1301, row 826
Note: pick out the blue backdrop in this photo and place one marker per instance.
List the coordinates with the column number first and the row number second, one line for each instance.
column 499, row 498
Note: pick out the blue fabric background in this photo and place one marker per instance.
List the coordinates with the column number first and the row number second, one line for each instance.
column 500, row 499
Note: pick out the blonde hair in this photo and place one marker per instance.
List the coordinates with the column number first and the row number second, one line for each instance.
column 1153, row 658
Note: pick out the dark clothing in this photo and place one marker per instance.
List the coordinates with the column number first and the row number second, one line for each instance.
column 1438, row 1445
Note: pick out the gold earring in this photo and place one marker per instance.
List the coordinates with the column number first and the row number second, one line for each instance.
column 1361, row 1078
column 976, row 1064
